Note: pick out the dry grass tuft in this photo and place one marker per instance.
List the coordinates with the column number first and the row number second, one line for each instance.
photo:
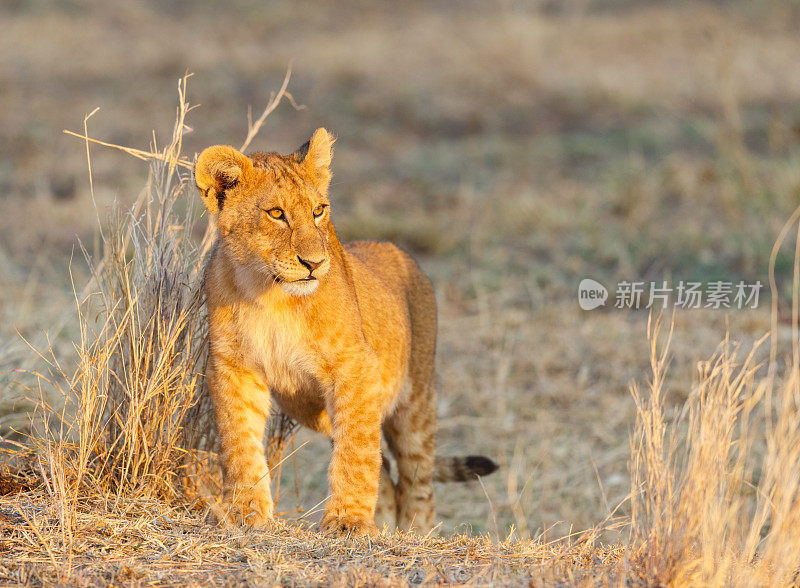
column 688, row 476
column 134, row 411
column 715, row 494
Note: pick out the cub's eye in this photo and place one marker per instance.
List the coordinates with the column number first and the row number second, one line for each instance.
column 319, row 210
column 276, row 213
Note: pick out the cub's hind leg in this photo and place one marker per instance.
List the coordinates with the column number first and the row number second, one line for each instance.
column 411, row 429
column 411, row 435
column 386, row 510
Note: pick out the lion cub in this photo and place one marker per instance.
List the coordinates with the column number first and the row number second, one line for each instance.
column 341, row 337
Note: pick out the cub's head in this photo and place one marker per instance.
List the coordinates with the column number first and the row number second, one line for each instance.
column 272, row 210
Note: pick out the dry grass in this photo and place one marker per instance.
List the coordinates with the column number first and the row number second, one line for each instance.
column 141, row 542
column 715, row 490
column 133, row 406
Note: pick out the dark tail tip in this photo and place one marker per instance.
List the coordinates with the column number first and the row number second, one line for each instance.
column 480, row 465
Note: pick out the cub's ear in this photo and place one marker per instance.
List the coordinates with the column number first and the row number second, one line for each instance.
column 218, row 169
column 316, row 155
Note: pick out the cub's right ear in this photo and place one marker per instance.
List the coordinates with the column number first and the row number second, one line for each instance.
column 218, row 169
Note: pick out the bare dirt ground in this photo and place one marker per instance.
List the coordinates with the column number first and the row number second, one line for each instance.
column 512, row 148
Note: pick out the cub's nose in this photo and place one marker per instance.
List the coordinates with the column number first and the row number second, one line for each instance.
column 311, row 265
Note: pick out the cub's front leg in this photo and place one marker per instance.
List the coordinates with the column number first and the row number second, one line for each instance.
column 356, row 461
column 241, row 407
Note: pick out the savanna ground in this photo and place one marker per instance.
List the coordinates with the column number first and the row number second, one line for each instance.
column 513, row 148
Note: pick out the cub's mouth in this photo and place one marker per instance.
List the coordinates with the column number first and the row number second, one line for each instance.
column 300, row 287
column 282, row 280
column 285, row 281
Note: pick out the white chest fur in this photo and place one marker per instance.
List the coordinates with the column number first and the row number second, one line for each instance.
column 275, row 345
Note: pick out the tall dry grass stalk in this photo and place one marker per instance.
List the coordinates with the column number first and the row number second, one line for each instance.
column 136, row 420
column 716, row 488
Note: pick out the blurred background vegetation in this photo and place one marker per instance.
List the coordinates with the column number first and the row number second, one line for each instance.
column 513, row 148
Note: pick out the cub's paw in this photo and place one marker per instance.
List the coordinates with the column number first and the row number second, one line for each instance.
column 251, row 507
column 344, row 525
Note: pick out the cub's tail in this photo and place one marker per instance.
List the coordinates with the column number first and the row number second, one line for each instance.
column 462, row 469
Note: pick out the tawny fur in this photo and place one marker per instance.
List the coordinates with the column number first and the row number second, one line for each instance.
column 342, row 338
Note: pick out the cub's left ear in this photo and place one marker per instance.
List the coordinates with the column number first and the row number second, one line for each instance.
column 218, row 169
column 315, row 156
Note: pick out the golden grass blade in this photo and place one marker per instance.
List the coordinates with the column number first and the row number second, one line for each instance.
column 137, row 153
